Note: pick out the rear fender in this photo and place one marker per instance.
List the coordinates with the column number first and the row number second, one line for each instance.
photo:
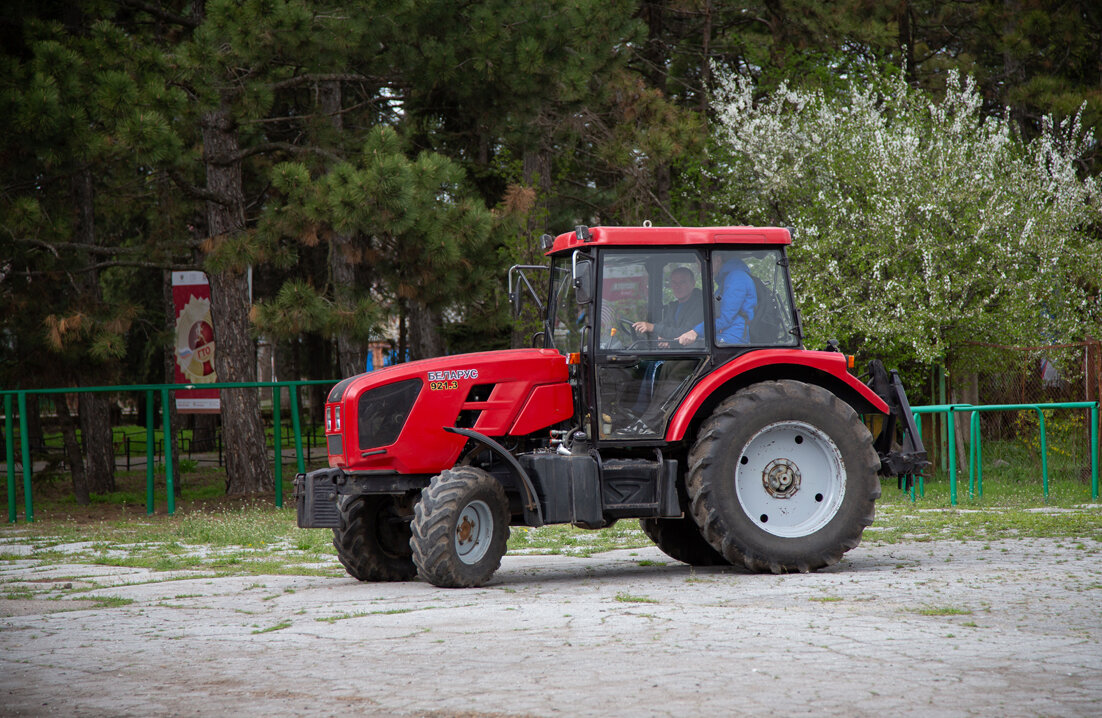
column 825, row 369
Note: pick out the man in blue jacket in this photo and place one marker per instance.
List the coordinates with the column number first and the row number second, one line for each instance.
column 737, row 299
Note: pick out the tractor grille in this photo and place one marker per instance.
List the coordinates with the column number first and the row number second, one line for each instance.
column 383, row 412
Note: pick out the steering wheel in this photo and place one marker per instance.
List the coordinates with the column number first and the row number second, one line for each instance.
column 628, row 329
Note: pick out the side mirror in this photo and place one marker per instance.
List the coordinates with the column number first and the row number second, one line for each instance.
column 516, row 278
column 583, row 280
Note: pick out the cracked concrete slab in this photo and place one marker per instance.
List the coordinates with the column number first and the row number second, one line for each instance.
column 1009, row 628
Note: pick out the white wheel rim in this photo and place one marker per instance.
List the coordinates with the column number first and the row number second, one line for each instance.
column 473, row 531
column 790, row 479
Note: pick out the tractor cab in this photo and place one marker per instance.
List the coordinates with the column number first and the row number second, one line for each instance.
column 650, row 311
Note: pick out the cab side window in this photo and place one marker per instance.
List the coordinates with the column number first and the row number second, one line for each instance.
column 751, row 302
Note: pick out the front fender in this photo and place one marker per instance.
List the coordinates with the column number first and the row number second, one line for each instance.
column 771, row 364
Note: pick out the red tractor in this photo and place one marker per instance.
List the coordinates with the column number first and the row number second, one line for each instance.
column 669, row 384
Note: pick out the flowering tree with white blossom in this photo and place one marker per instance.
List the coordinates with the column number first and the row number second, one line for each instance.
column 920, row 223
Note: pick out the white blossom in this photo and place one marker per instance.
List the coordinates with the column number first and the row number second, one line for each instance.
column 921, row 223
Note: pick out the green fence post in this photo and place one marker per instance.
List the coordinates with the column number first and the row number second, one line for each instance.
column 919, row 480
column 149, row 442
column 918, row 431
column 951, row 447
column 25, row 448
column 170, row 480
column 293, row 388
column 9, row 445
column 1044, row 450
column 1094, row 452
column 973, row 454
column 277, row 436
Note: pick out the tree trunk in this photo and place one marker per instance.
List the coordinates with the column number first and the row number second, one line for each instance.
column 425, row 340
column 537, row 175
column 247, row 466
column 73, row 453
column 1013, row 72
column 316, row 364
column 905, row 23
column 94, row 409
column 778, row 29
column 403, row 330
column 351, row 354
column 705, row 61
column 35, row 434
column 99, row 447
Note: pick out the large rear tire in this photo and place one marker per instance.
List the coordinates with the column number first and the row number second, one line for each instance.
column 681, row 539
column 783, row 477
column 373, row 540
column 460, row 528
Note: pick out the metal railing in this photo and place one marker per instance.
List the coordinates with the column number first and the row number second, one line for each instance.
column 975, row 452
column 975, row 469
column 19, row 397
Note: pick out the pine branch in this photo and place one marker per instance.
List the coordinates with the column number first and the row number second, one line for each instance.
column 310, row 116
column 307, row 79
column 273, row 147
column 193, row 191
column 55, row 247
column 158, row 12
column 172, row 267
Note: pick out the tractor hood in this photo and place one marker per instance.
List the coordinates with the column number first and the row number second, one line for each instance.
column 394, row 419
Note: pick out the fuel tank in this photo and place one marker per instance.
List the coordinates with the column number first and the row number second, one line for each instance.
column 393, row 419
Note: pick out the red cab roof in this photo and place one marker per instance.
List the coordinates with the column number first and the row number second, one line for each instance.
column 672, row 236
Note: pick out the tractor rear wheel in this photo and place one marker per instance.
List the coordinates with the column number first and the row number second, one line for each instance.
column 460, row 528
column 373, row 540
column 783, row 477
column 681, row 539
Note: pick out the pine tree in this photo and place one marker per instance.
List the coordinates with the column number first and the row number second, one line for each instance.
column 423, row 224
column 79, row 113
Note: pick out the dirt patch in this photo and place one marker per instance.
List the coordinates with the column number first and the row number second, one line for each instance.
column 1007, row 628
column 39, row 607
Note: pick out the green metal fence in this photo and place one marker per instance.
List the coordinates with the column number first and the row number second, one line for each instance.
column 19, row 397
column 975, row 453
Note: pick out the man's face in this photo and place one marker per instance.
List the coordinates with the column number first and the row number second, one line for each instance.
column 682, row 285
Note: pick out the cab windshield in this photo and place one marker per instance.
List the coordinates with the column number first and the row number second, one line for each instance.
column 567, row 317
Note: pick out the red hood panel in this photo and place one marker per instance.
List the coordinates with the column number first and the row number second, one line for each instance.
column 504, row 381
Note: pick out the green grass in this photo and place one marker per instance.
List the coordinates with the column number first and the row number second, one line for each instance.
column 628, row 598
column 569, row 540
column 220, row 536
column 943, row 611
column 113, row 602
column 277, row 627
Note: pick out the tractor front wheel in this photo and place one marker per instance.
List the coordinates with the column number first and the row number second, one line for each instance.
column 460, row 528
column 783, row 477
column 373, row 540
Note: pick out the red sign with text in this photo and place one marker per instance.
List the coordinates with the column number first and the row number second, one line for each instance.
column 194, row 345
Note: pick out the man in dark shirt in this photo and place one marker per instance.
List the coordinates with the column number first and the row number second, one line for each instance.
column 683, row 313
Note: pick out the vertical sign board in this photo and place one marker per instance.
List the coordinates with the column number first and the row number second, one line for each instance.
column 194, row 345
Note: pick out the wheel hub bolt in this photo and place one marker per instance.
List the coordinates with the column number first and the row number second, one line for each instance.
column 781, row 478
column 465, row 530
